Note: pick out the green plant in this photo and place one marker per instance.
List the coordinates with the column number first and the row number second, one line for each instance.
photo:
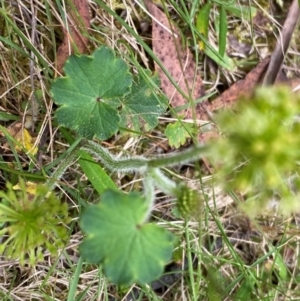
column 97, row 104
column 32, row 221
column 99, row 95
column 177, row 134
column 221, row 27
column 259, row 152
column 28, row 57
column 118, row 237
column 118, row 234
column 266, row 121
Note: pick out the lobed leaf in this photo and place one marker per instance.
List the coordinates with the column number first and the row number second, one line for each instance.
column 142, row 106
column 177, row 134
column 117, row 237
column 89, row 93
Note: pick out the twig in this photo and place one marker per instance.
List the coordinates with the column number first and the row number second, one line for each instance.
column 282, row 44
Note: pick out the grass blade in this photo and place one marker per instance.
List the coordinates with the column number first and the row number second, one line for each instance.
column 202, row 23
column 222, row 31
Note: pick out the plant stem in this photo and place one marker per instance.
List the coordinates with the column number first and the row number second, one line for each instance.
column 140, row 164
column 190, row 264
column 123, row 164
column 57, row 174
column 164, row 183
column 188, row 155
column 149, row 195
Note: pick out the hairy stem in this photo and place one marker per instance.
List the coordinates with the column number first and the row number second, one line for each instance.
column 123, row 164
column 139, row 163
column 164, row 183
column 191, row 154
column 149, row 195
column 59, row 171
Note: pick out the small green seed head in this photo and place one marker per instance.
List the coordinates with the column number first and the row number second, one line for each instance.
column 189, row 202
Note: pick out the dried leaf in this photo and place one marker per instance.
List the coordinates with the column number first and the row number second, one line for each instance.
column 74, row 37
column 179, row 62
column 246, row 86
column 228, row 98
column 243, row 87
column 26, row 141
column 18, row 132
column 30, row 187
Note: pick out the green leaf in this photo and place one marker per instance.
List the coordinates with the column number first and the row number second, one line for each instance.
column 222, row 31
column 100, row 180
column 243, row 12
column 244, row 292
column 89, row 93
column 95, row 173
column 142, row 106
column 225, row 62
column 7, row 117
column 177, row 133
column 202, row 23
column 117, row 237
column 280, row 267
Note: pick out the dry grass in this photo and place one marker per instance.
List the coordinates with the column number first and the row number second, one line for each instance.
column 230, row 253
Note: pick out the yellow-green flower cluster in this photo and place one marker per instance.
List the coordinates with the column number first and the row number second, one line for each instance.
column 32, row 223
column 260, row 150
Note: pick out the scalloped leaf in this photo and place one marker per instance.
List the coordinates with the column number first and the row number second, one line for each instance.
column 117, row 237
column 177, row 134
column 89, row 94
column 142, row 107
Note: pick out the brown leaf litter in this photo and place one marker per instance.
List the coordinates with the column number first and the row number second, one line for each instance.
column 74, row 38
column 179, row 63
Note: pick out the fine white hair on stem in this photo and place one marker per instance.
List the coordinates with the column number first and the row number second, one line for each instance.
column 59, row 171
column 149, row 195
column 163, row 182
column 139, row 163
column 122, row 164
column 191, row 154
